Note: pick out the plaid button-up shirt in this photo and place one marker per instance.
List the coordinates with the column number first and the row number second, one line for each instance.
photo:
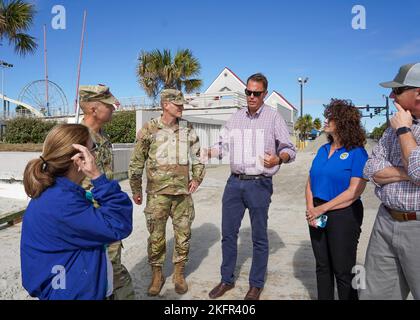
column 403, row 195
column 246, row 138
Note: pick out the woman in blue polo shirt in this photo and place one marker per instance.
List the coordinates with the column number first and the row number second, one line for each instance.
column 333, row 190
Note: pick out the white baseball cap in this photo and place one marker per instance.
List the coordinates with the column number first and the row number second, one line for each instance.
column 408, row 76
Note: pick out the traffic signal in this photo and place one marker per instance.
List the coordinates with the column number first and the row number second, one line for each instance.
column 377, row 111
column 367, row 108
column 371, row 116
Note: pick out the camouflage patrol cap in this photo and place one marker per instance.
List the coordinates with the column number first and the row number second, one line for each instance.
column 99, row 92
column 172, row 95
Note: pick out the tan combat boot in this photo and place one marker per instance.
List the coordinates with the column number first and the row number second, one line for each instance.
column 158, row 280
column 178, row 279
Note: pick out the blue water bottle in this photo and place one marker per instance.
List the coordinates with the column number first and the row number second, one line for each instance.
column 321, row 221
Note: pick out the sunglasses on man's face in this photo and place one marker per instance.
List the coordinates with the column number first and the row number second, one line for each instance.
column 398, row 91
column 255, row 93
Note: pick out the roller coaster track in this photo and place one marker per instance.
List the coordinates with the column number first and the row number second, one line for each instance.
column 23, row 104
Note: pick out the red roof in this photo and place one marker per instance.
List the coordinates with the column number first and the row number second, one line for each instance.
column 285, row 100
column 230, row 72
column 291, row 105
column 236, row 76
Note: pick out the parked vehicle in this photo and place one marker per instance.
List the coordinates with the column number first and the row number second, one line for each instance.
column 314, row 134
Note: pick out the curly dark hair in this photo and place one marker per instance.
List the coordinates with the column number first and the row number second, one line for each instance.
column 347, row 121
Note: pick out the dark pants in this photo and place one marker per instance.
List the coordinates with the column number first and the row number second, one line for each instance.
column 335, row 248
column 254, row 195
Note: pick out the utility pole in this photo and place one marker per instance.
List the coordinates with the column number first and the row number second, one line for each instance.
column 387, row 110
column 377, row 110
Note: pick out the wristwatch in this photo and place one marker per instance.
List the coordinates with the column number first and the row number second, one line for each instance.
column 402, row 130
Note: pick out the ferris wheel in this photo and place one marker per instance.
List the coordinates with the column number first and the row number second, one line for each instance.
column 45, row 96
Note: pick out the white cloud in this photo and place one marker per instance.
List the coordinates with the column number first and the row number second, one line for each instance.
column 315, row 101
column 410, row 49
column 407, row 50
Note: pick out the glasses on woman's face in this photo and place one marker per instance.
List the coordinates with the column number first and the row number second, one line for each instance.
column 94, row 147
column 400, row 90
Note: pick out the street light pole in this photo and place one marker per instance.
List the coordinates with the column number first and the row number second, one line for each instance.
column 301, row 99
column 302, row 81
column 3, row 65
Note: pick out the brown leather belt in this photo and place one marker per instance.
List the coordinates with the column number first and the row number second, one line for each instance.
column 402, row 215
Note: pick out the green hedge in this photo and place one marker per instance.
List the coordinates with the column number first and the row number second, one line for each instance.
column 27, row 130
column 122, row 128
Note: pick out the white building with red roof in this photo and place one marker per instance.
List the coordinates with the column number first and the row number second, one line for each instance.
column 226, row 94
column 209, row 110
column 286, row 109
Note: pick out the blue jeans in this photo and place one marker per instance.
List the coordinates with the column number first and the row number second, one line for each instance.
column 254, row 195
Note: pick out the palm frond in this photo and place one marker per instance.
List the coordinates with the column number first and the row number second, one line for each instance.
column 18, row 16
column 2, row 22
column 23, row 43
column 187, row 64
column 158, row 69
column 192, row 85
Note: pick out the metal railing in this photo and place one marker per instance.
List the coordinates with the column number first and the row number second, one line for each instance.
column 134, row 103
column 215, row 100
column 198, row 100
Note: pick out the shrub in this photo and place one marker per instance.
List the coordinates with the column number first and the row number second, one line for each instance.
column 378, row 131
column 27, row 130
column 122, row 128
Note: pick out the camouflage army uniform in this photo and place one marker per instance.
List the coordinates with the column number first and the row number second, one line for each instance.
column 167, row 153
column 123, row 286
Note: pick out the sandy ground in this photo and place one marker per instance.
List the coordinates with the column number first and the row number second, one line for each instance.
column 291, row 268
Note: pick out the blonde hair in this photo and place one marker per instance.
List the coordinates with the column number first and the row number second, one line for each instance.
column 55, row 160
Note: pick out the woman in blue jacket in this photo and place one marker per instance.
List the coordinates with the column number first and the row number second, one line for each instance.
column 64, row 237
column 333, row 190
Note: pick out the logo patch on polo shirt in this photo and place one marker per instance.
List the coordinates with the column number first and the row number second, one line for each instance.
column 344, row 156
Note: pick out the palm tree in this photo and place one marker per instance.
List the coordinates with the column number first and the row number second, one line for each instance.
column 15, row 19
column 156, row 70
column 304, row 125
column 317, row 124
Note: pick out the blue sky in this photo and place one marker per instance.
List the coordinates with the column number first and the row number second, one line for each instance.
column 283, row 39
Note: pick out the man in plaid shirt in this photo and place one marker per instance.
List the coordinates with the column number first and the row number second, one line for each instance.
column 393, row 258
column 256, row 140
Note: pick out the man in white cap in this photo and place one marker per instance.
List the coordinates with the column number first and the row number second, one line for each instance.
column 393, row 257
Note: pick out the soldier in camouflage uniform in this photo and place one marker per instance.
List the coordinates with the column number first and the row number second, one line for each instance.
column 97, row 104
column 167, row 146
